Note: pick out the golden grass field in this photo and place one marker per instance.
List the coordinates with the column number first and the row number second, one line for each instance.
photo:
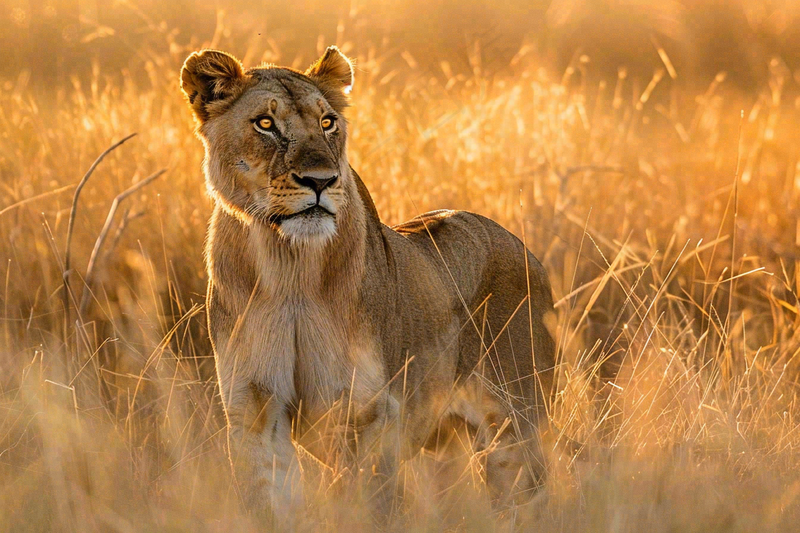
column 664, row 210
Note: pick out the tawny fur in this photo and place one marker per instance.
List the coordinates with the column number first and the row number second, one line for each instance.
column 313, row 316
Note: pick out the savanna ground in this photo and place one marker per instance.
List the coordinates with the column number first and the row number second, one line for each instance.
column 664, row 208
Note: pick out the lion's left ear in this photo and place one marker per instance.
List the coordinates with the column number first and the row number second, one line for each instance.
column 209, row 76
column 333, row 68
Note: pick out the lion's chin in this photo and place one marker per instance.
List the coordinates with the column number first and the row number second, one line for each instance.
column 314, row 229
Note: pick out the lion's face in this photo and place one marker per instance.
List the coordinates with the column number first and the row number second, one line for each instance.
column 275, row 141
column 278, row 155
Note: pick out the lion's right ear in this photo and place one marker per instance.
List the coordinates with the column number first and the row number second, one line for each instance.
column 208, row 76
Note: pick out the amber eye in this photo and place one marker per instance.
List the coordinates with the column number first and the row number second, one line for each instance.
column 264, row 124
column 326, row 123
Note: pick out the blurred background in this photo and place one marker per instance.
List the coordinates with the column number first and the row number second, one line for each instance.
column 56, row 39
column 647, row 151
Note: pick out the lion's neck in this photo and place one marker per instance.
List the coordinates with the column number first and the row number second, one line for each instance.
column 324, row 272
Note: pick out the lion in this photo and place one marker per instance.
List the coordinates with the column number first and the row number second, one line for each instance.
column 322, row 317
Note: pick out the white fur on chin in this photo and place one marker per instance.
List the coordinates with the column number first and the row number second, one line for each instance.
column 308, row 231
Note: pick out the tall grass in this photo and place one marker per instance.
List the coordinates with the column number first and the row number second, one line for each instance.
column 666, row 219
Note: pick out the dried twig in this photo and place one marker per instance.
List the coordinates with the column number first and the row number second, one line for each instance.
column 34, row 198
column 71, row 226
column 127, row 218
column 90, row 270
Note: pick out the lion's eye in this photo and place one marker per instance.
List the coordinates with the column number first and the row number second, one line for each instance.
column 327, row 123
column 264, row 124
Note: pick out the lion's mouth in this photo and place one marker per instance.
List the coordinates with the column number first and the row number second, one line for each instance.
column 315, row 211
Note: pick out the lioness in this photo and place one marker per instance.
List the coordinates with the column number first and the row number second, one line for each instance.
column 321, row 316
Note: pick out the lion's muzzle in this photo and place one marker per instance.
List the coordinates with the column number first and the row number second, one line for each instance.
column 316, row 180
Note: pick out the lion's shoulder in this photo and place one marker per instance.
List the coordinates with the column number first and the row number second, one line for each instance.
column 449, row 227
column 426, row 222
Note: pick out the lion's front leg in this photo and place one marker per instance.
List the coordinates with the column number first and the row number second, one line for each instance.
column 261, row 451
column 377, row 452
column 257, row 409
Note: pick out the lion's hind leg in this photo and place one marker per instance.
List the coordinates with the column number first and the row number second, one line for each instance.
column 505, row 445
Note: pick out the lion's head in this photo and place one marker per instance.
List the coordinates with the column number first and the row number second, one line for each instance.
column 275, row 140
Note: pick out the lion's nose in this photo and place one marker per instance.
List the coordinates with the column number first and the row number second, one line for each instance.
column 315, row 182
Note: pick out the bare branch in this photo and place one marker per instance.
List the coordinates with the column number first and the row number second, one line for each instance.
column 34, row 198
column 89, row 278
column 127, row 218
column 71, row 226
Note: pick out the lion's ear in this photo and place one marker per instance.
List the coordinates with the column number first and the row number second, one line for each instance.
column 208, row 76
column 333, row 68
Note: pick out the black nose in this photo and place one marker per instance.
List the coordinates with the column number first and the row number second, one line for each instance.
column 315, row 183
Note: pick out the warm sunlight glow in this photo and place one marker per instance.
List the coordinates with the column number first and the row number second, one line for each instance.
column 646, row 152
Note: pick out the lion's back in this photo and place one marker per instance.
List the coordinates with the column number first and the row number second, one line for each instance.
column 454, row 243
column 485, row 264
column 473, row 252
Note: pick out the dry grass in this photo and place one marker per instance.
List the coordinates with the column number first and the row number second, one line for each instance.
column 676, row 278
